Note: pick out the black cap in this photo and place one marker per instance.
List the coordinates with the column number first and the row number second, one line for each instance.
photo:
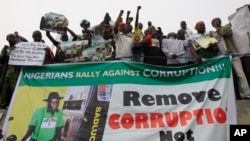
column 53, row 95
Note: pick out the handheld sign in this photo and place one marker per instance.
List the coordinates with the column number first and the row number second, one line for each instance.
column 79, row 51
column 28, row 54
column 72, row 49
column 240, row 26
column 54, row 22
column 205, row 41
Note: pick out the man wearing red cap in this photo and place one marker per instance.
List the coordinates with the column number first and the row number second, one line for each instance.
column 46, row 122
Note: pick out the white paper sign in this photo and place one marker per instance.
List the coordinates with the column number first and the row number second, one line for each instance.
column 28, row 54
column 240, row 26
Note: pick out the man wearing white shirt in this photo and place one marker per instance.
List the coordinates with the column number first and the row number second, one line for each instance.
column 181, row 35
column 174, row 49
column 123, row 42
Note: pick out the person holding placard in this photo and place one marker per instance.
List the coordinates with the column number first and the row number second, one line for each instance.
column 59, row 55
column 225, row 34
column 49, row 55
column 204, row 46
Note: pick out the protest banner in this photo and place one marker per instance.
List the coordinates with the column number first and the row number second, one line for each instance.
column 128, row 101
column 54, row 22
column 28, row 54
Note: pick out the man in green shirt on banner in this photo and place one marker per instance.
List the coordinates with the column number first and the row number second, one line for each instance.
column 47, row 122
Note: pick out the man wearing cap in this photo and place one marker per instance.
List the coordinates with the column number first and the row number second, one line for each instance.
column 47, row 122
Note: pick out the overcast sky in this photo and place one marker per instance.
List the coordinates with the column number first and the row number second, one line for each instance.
column 24, row 15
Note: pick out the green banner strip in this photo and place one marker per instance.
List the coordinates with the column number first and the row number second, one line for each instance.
column 119, row 72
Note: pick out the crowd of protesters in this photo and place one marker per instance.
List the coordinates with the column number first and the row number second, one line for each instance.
column 135, row 43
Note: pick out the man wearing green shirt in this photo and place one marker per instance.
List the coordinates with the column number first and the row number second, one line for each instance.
column 47, row 122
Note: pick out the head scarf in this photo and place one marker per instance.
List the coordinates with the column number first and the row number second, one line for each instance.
column 198, row 24
column 121, row 24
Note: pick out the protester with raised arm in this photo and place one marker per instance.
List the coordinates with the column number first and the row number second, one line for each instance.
column 59, row 55
column 123, row 43
column 137, row 38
